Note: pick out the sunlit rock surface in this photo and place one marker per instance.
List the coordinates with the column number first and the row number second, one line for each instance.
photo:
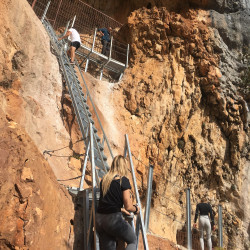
column 183, row 102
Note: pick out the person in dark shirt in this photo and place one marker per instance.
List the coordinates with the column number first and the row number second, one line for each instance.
column 105, row 39
column 114, row 194
column 204, row 210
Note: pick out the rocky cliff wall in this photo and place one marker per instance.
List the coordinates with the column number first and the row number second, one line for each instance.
column 31, row 84
column 35, row 210
column 184, row 92
column 183, row 102
column 120, row 10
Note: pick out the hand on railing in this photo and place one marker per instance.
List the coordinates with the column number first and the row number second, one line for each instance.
column 137, row 209
column 124, row 211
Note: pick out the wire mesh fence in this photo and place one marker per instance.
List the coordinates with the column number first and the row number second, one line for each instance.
column 87, row 19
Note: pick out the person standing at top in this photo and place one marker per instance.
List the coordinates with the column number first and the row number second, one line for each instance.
column 75, row 43
column 105, row 39
column 114, row 194
column 204, row 210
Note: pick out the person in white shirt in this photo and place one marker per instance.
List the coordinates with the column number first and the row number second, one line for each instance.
column 75, row 43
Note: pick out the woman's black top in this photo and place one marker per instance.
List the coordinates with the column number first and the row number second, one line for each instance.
column 204, row 209
column 112, row 202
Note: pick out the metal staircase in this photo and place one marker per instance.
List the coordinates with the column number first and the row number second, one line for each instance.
column 80, row 103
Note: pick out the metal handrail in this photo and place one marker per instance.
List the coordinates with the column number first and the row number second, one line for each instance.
column 92, row 156
column 93, row 105
column 73, row 100
column 45, row 11
column 139, row 221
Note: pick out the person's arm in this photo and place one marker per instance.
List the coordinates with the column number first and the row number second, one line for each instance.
column 66, row 35
column 100, row 31
column 124, row 211
column 211, row 216
column 196, row 215
column 128, row 202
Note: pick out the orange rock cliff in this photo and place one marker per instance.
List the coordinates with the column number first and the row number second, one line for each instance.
column 183, row 102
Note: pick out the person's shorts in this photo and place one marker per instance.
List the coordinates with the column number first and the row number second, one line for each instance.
column 75, row 44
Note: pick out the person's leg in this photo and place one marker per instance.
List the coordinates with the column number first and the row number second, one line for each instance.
column 208, row 232
column 106, row 53
column 106, row 241
column 201, row 228
column 68, row 52
column 72, row 53
column 104, row 47
column 125, row 232
column 117, row 228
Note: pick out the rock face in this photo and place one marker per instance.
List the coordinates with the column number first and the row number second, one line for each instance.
column 36, row 211
column 221, row 5
column 183, row 90
column 183, row 103
column 121, row 9
column 31, row 84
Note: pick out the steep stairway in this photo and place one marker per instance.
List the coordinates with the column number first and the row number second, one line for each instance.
column 79, row 101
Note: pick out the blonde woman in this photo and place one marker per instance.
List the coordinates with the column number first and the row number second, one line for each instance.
column 114, row 194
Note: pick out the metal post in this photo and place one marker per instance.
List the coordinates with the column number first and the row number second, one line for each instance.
column 84, row 166
column 66, row 28
column 120, row 77
column 92, row 156
column 45, row 11
column 110, row 48
column 33, row 4
column 86, row 217
column 126, row 65
column 101, row 75
column 73, row 22
column 220, row 226
column 144, row 234
column 86, row 65
column 149, row 196
column 92, row 49
column 188, row 211
column 57, row 13
column 93, row 44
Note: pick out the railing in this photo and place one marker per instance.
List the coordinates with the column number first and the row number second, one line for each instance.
column 139, row 221
column 119, row 50
column 92, row 106
column 185, row 236
column 62, row 10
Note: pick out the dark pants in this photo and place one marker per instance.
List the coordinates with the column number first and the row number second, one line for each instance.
column 105, row 47
column 75, row 44
column 112, row 227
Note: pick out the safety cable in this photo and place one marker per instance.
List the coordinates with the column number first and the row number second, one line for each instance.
column 165, row 197
column 174, row 184
column 48, row 151
column 168, row 216
column 139, row 160
column 74, row 178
